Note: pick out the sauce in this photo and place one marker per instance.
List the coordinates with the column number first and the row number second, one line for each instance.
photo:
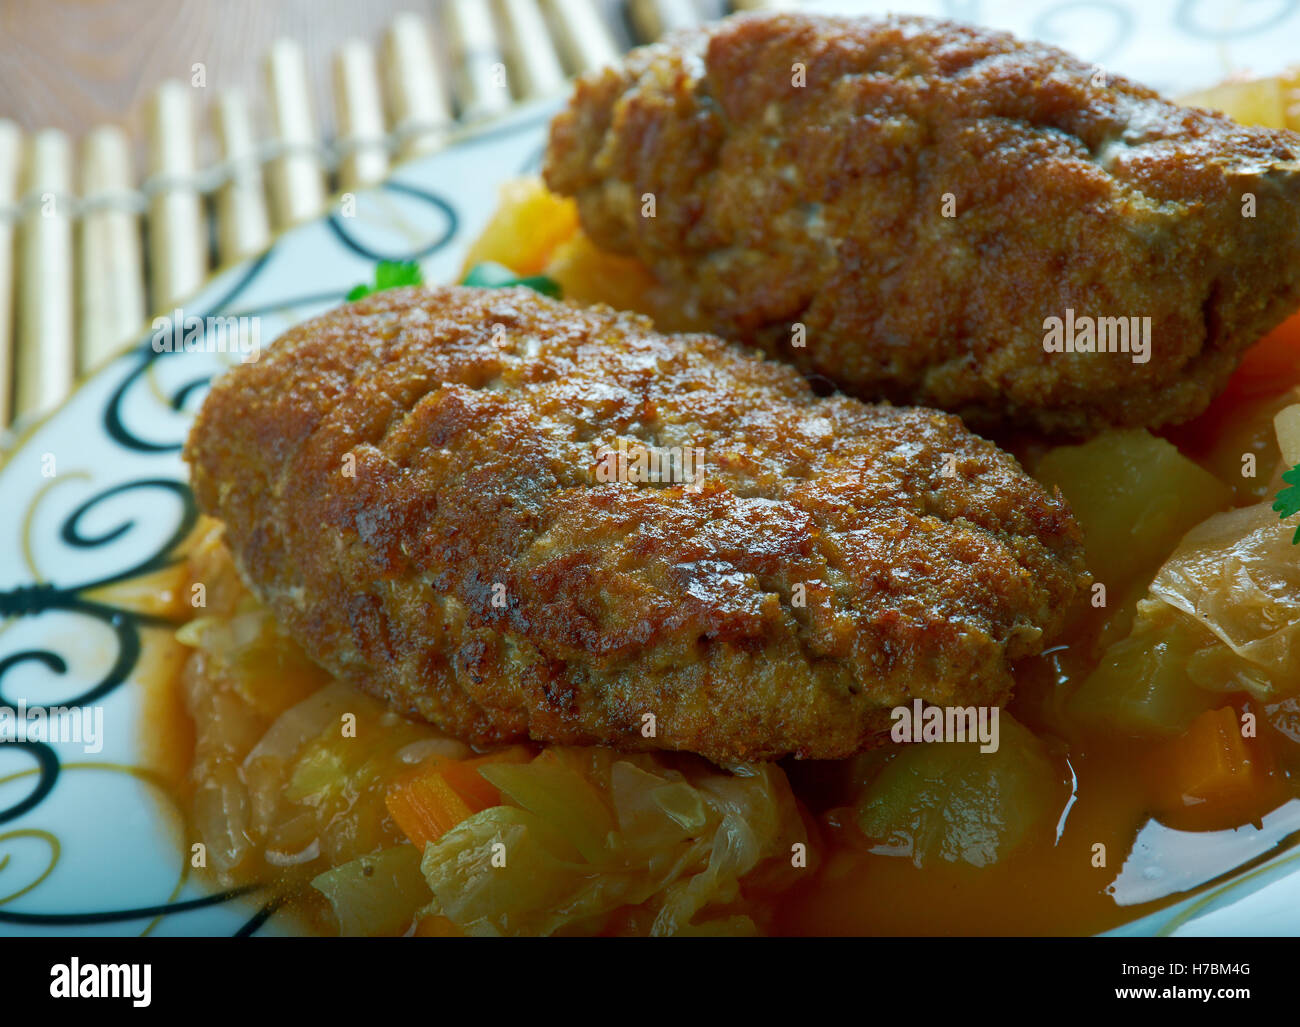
column 1056, row 882
column 1118, row 848
column 1049, row 885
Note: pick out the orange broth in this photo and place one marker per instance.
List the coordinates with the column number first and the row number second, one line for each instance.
column 1113, row 792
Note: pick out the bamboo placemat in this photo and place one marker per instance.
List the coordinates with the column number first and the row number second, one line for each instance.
column 91, row 248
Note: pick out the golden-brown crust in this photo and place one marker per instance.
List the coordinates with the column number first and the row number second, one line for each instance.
column 388, row 470
column 823, row 204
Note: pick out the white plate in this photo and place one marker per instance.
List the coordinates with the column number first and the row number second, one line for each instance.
column 98, row 493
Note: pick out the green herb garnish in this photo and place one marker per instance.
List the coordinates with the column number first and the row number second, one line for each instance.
column 390, row 274
column 1288, row 500
column 498, row 276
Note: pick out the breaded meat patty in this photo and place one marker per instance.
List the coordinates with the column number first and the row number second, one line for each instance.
column 903, row 206
column 518, row 518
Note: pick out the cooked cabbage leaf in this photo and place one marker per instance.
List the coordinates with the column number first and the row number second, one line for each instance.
column 375, row 895
column 1238, row 575
column 595, row 835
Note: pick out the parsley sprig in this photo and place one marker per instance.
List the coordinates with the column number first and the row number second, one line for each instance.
column 390, row 274
column 1288, row 500
column 393, row 274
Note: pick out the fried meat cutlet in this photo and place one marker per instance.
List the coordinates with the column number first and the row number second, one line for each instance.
column 426, row 488
column 900, row 205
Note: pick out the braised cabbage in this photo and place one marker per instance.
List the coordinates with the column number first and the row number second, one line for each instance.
column 591, row 833
column 375, row 895
column 1238, row 575
column 1142, row 685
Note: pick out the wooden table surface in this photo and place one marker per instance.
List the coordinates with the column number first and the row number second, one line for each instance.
column 76, row 64
column 98, row 229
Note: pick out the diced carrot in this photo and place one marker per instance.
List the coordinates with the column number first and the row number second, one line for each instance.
column 1210, row 759
column 1214, row 769
column 441, row 792
column 528, row 226
column 588, row 274
column 1268, row 368
column 1273, row 363
column 469, row 784
column 425, row 806
column 463, row 776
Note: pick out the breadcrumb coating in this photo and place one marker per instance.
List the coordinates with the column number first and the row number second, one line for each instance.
column 899, row 205
column 420, row 485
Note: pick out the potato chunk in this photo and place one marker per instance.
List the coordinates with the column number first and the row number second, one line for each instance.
column 1134, row 495
column 949, row 801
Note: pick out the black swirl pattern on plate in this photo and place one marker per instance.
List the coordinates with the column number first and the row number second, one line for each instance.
column 1204, row 18
column 47, row 773
column 111, row 916
column 344, row 233
column 1120, row 17
column 36, row 599
column 146, row 355
column 962, row 10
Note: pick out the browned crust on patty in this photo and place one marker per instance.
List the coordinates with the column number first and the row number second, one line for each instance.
column 385, row 467
column 824, row 205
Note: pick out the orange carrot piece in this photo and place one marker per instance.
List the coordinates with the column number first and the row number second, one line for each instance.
column 528, row 226
column 1211, row 762
column 469, row 784
column 1268, row 368
column 1273, row 363
column 464, row 778
column 425, row 807
column 441, row 792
